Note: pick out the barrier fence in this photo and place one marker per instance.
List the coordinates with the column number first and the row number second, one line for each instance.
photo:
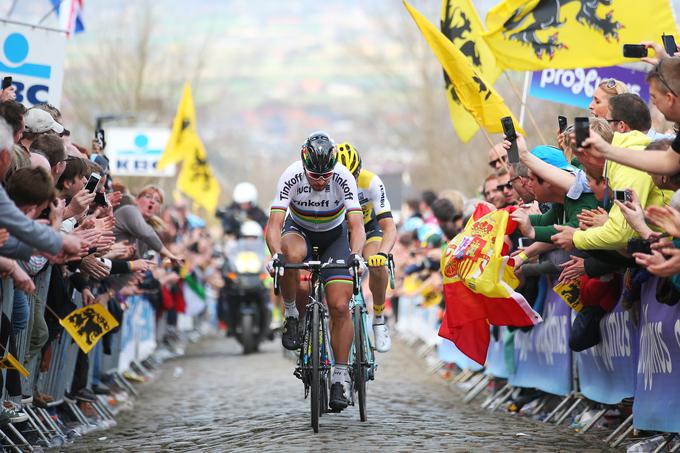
column 53, row 365
column 638, row 357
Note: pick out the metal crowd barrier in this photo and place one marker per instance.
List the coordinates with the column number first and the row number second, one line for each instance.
column 640, row 360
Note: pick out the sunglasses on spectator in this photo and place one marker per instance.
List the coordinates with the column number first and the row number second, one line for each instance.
column 612, row 120
column 501, row 159
column 502, row 187
column 320, row 176
column 662, row 79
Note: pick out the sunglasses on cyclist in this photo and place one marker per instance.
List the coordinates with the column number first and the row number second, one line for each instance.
column 501, row 160
column 319, row 176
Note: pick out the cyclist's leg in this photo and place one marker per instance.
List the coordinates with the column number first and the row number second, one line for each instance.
column 377, row 282
column 338, row 292
column 294, row 248
column 377, row 277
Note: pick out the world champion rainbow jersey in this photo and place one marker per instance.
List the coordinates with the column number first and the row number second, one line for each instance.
column 316, row 210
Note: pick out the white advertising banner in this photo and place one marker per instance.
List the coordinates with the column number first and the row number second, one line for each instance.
column 34, row 58
column 135, row 151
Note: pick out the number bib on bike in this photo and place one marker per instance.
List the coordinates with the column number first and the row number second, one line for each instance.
column 316, row 210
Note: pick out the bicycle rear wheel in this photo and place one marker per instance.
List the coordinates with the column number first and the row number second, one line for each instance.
column 360, row 360
column 316, row 366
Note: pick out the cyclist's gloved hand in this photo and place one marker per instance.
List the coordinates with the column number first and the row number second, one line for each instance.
column 377, row 260
column 357, row 261
column 275, row 263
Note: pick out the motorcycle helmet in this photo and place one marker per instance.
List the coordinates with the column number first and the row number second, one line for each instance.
column 250, row 229
column 319, row 154
column 245, row 192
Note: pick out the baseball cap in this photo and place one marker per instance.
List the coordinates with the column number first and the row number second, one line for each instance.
column 39, row 121
column 553, row 156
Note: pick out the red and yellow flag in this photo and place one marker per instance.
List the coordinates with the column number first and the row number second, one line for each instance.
column 479, row 284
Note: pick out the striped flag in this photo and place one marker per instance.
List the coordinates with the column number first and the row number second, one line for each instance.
column 70, row 13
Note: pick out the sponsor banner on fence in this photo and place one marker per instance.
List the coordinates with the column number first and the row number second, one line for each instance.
column 146, row 330
column 34, row 58
column 606, row 372
column 136, row 151
column 658, row 371
column 495, row 357
column 447, row 352
column 542, row 355
column 576, row 86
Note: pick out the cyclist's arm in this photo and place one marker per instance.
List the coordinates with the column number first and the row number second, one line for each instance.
column 355, row 220
column 383, row 212
column 389, row 230
column 273, row 231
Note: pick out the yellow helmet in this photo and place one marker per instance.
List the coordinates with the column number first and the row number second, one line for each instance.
column 349, row 157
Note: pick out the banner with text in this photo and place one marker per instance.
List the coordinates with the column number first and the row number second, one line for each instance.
column 136, row 151
column 576, row 86
column 657, row 398
column 542, row 355
column 34, row 58
column 606, row 372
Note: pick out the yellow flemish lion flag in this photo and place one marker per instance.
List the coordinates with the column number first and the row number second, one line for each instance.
column 197, row 179
column 11, row 363
column 533, row 35
column 476, row 95
column 88, row 324
column 183, row 136
column 570, row 292
column 460, row 23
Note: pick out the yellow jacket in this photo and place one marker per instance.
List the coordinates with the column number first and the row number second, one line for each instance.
column 614, row 234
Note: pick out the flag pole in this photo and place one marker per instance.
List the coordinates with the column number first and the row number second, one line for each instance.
column 525, row 94
column 523, row 103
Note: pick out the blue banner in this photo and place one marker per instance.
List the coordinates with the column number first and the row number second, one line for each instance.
column 495, row 358
column 542, row 355
column 576, row 86
column 657, row 398
column 606, row 372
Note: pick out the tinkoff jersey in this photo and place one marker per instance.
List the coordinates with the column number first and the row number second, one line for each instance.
column 372, row 197
column 316, row 210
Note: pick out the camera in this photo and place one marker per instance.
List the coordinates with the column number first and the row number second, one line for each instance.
column 525, row 242
column 669, row 44
column 581, row 129
column 562, row 123
column 638, row 245
column 511, row 136
column 6, row 82
column 623, row 195
column 634, row 51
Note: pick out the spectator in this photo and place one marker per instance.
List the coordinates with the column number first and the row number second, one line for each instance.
column 491, row 193
column 498, row 157
column 505, row 187
column 38, row 122
column 605, row 89
column 52, row 147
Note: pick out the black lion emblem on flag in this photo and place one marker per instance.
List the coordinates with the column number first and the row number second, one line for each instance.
column 90, row 324
column 547, row 15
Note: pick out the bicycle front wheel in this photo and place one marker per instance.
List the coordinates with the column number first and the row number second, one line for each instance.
column 360, row 360
column 316, row 368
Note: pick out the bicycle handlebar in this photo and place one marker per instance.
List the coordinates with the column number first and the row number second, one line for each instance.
column 317, row 266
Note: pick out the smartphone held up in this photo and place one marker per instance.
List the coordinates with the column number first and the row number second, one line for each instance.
column 511, row 136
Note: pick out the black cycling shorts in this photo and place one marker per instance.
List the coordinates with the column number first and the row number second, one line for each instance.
column 333, row 246
column 373, row 231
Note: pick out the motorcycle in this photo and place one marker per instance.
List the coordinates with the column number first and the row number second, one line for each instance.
column 247, row 310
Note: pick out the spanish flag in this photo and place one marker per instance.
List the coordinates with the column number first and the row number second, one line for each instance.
column 532, row 35
column 479, row 284
column 461, row 25
column 184, row 136
column 474, row 92
column 88, row 324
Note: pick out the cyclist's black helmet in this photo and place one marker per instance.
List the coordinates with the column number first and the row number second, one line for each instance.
column 319, row 154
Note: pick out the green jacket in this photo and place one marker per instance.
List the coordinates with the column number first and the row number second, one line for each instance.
column 561, row 214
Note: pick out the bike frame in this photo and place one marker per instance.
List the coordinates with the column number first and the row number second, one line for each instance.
column 370, row 366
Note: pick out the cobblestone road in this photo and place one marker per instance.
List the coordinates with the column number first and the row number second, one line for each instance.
column 223, row 401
